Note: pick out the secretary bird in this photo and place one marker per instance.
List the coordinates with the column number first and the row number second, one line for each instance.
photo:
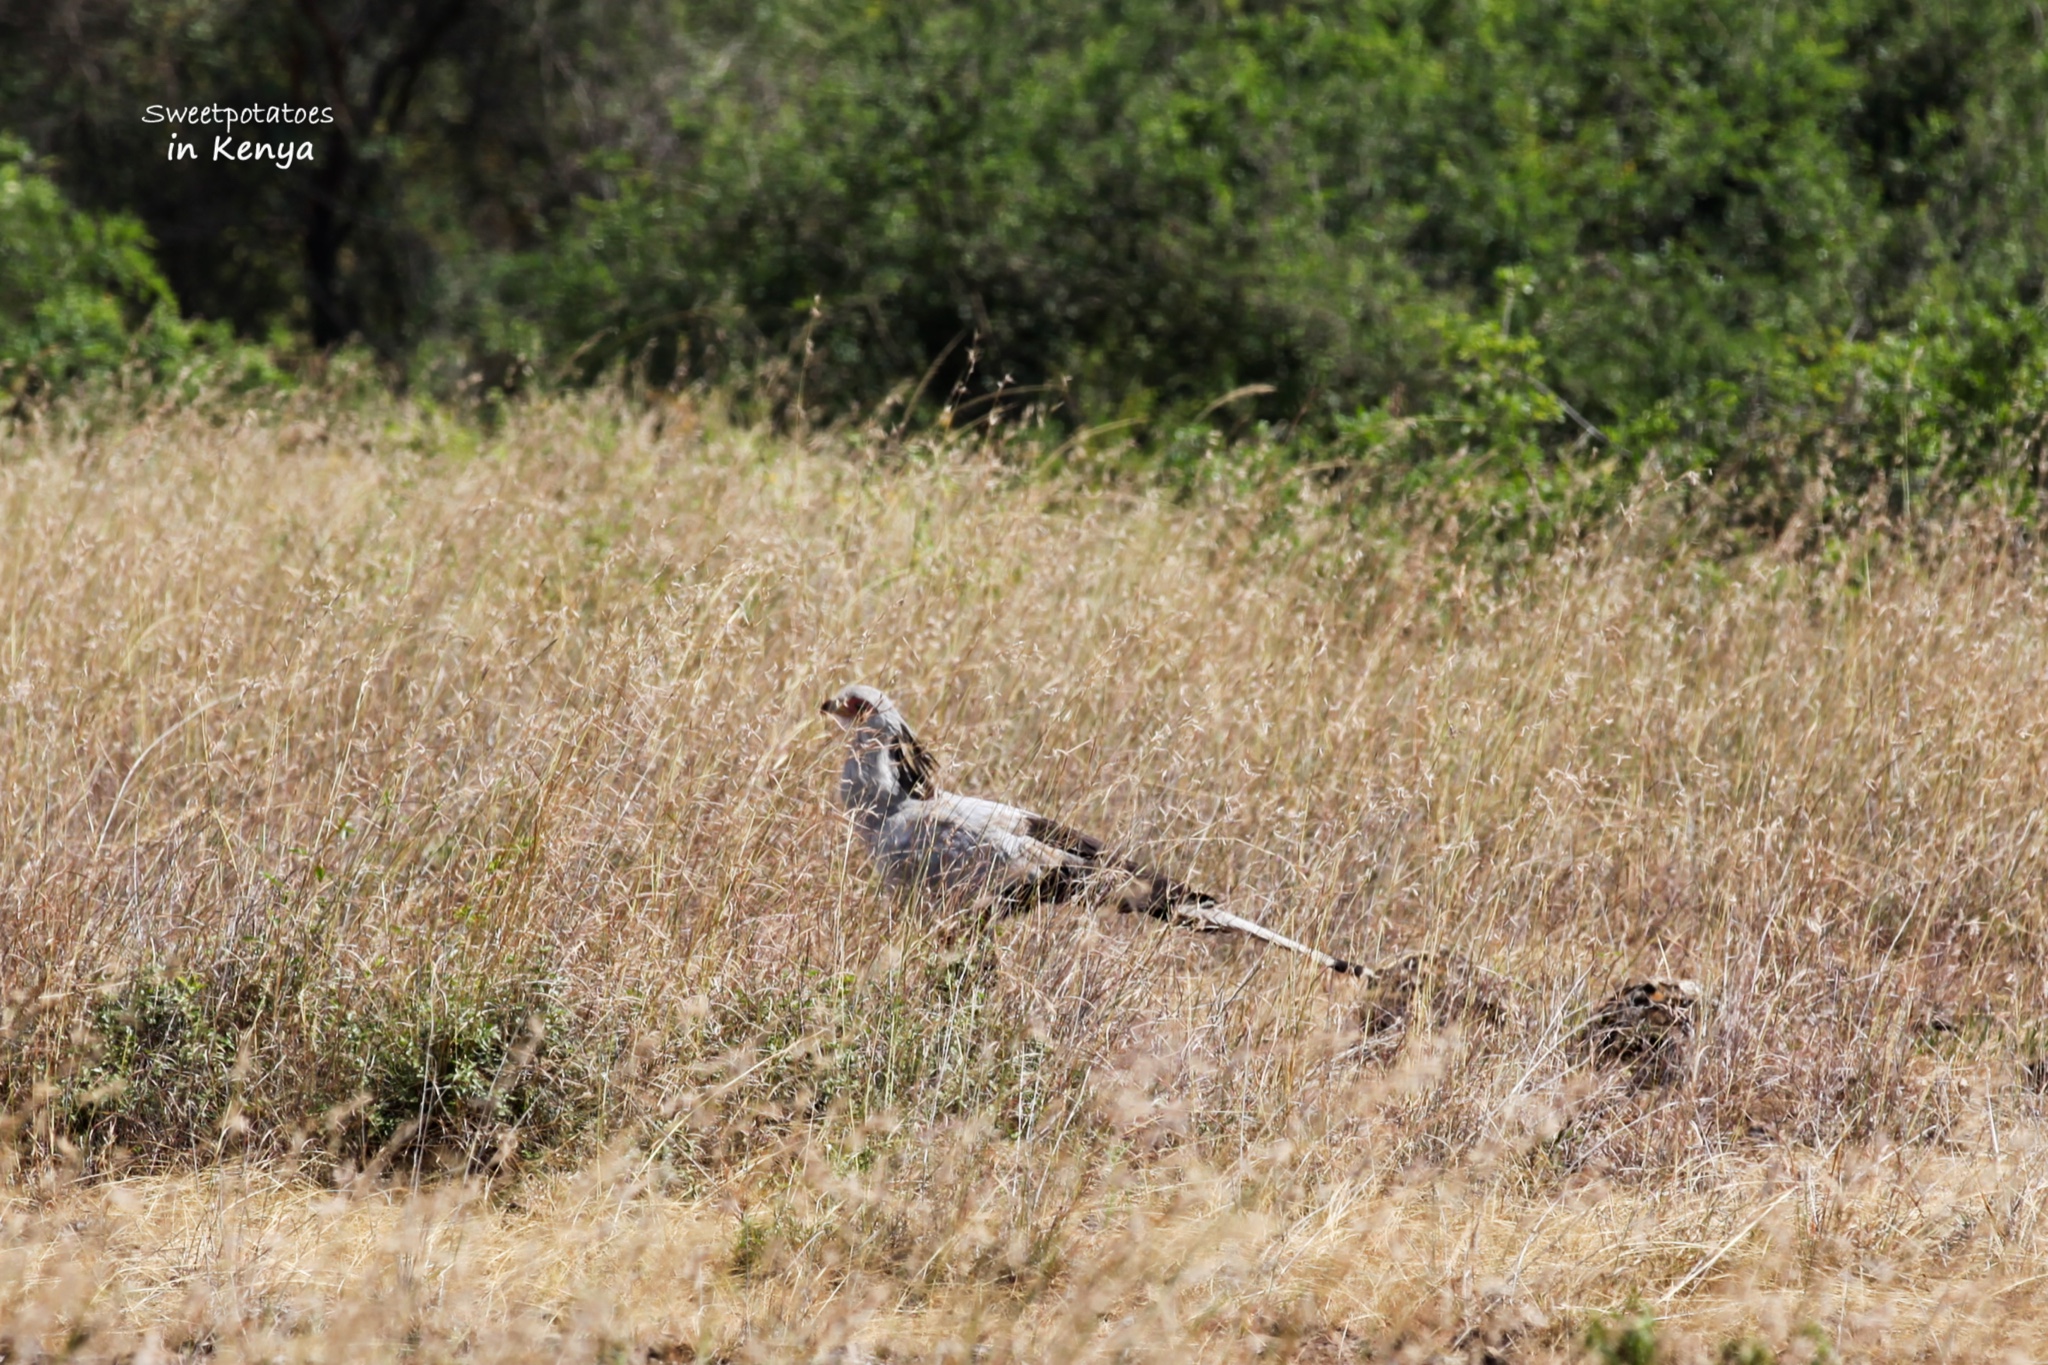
column 1004, row 859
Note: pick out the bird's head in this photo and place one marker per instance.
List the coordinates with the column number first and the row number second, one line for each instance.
column 875, row 727
column 861, row 707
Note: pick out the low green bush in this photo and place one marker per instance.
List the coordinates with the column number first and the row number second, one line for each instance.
column 474, row 1060
column 80, row 295
column 478, row 1065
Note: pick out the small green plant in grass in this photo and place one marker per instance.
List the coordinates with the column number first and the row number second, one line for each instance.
column 453, row 1066
column 1810, row 1347
column 751, row 1244
column 1629, row 1338
column 164, row 1065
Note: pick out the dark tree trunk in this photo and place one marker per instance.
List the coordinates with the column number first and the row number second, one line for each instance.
column 328, row 214
column 340, row 200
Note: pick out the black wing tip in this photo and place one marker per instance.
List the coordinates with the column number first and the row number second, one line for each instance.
column 1064, row 838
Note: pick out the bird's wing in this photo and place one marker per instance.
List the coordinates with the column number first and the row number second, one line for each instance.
column 967, row 849
column 983, row 817
column 1039, row 861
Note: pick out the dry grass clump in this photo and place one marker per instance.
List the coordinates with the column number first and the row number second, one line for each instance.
column 426, row 933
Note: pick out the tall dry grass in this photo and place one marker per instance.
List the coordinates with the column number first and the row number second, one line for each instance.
column 427, row 934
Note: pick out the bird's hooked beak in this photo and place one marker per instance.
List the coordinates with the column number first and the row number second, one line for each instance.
column 859, row 706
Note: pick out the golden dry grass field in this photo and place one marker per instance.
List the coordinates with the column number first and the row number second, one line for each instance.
column 428, row 934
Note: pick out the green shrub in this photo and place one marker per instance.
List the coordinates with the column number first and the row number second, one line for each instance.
column 1630, row 1338
column 1506, row 250
column 1514, row 253
column 473, row 1065
column 80, row 293
column 474, row 1060
column 165, row 1065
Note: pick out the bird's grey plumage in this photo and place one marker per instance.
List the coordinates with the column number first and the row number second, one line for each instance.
column 977, row 852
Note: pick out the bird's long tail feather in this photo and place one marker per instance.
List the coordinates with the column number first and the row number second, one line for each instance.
column 1166, row 899
column 1212, row 916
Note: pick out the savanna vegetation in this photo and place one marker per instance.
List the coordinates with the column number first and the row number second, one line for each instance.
column 427, row 931
column 1554, row 484
column 1515, row 250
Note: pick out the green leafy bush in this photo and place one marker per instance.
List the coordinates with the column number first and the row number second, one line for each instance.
column 80, row 293
column 1516, row 245
column 165, row 1064
column 1516, row 252
column 469, row 1066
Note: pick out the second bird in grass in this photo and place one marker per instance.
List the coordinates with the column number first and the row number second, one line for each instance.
column 1001, row 858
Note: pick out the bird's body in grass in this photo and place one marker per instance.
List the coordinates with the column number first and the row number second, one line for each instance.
column 985, row 854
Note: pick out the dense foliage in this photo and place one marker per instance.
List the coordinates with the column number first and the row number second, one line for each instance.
column 78, row 292
column 1518, row 242
column 80, row 295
